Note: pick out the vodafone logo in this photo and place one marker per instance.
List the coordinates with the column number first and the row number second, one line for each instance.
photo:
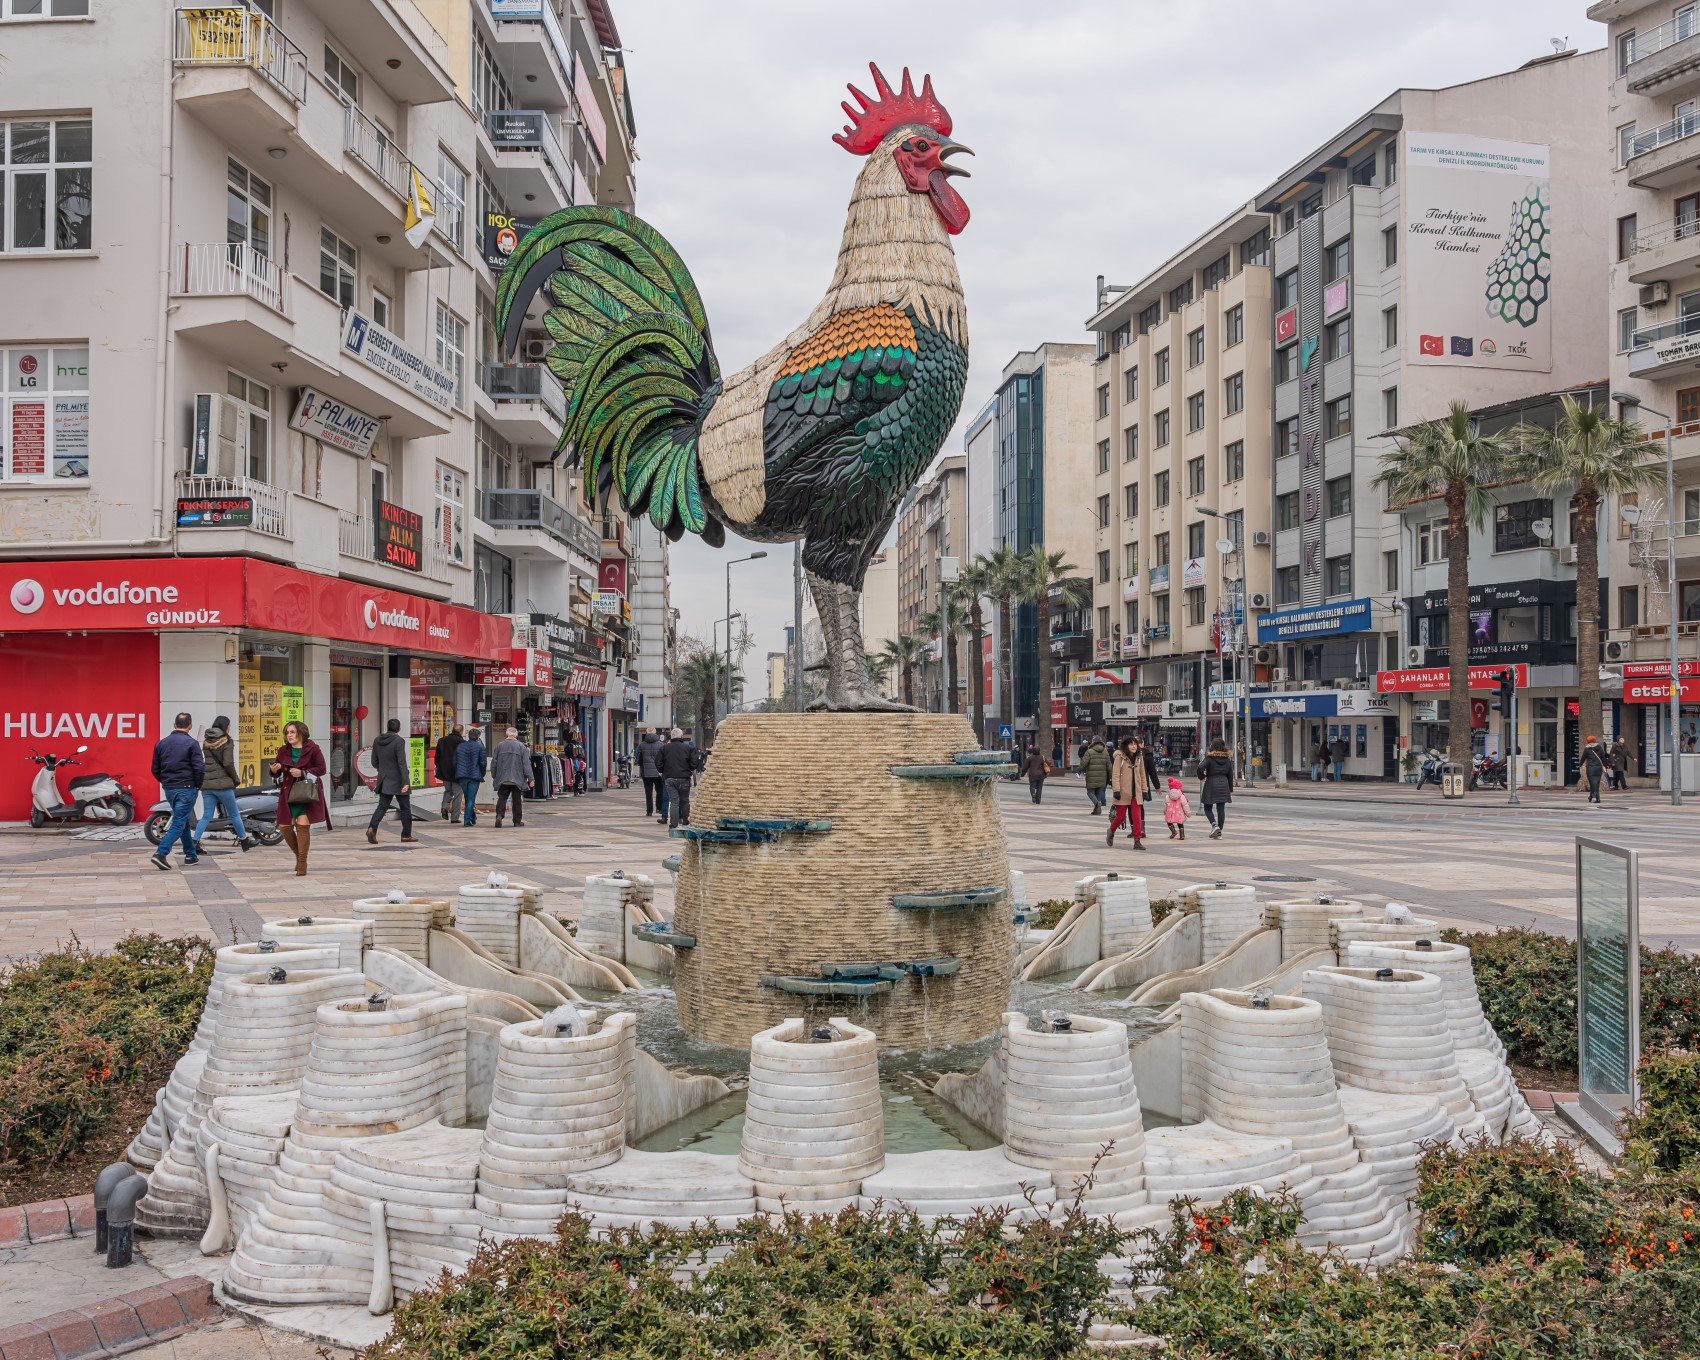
column 390, row 618
column 27, row 595
column 371, row 613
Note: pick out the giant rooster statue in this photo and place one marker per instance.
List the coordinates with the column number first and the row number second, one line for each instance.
column 820, row 437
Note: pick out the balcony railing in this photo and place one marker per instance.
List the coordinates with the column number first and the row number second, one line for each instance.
column 531, row 130
column 236, row 36
column 1667, row 34
column 224, row 270
column 1655, row 237
column 527, row 383
column 271, row 503
column 1683, row 125
column 1680, row 329
column 356, row 539
column 523, row 508
column 371, row 146
column 541, row 12
column 423, row 29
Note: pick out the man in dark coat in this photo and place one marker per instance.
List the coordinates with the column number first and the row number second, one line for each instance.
column 472, row 763
column 649, row 768
column 677, row 762
column 179, row 767
column 443, row 763
column 1095, row 770
column 390, row 755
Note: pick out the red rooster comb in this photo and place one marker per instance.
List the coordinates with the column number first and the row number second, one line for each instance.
column 869, row 125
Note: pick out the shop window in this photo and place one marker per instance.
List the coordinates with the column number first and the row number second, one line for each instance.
column 46, row 184
column 254, row 426
column 44, row 414
column 269, row 693
column 449, row 514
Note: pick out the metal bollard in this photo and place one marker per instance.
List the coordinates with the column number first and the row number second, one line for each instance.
column 121, row 1222
column 110, row 1179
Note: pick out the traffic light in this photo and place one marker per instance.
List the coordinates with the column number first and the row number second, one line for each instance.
column 1507, row 687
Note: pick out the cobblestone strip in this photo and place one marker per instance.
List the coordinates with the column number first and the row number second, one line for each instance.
column 51, row 1220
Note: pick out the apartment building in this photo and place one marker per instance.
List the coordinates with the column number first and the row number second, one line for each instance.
column 931, row 539
column 879, row 612
column 1182, row 468
column 1444, row 246
column 1654, row 124
column 258, row 457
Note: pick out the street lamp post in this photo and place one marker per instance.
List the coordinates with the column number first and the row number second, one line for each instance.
column 1241, row 649
column 1670, row 577
column 759, row 553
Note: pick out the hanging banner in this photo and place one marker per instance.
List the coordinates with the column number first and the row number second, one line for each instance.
column 1477, row 256
column 331, row 422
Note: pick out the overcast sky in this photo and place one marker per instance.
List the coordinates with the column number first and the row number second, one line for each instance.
column 1108, row 134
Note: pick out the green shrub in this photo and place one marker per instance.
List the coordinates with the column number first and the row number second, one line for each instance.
column 1051, row 911
column 1665, row 1132
column 1483, row 1202
column 79, row 1028
column 1527, row 982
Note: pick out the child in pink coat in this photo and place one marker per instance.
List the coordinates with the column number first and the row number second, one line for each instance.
column 1176, row 810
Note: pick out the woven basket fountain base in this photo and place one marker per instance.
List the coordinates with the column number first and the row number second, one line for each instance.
column 810, row 899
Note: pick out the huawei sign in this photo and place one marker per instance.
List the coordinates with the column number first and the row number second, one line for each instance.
column 390, row 618
column 27, row 595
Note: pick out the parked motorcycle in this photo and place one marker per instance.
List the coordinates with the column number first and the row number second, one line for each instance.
column 1428, row 772
column 94, row 797
column 1487, row 773
column 257, row 806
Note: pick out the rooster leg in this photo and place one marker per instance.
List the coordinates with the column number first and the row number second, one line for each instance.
column 849, row 684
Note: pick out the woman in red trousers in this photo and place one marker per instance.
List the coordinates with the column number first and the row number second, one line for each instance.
column 1130, row 786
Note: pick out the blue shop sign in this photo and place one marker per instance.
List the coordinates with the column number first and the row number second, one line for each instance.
column 1294, row 625
column 1321, row 704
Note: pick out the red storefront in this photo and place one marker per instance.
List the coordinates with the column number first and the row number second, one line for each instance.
column 95, row 651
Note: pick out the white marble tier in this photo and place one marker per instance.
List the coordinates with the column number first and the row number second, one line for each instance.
column 406, row 925
column 673, row 1189
column 1392, row 1132
column 1124, row 914
column 491, row 917
column 950, row 1182
column 246, row 1135
column 1305, row 923
column 1226, row 911
column 347, row 934
column 1373, row 929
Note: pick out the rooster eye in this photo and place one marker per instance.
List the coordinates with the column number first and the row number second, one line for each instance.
column 921, row 145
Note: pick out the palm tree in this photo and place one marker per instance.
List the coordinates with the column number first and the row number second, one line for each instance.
column 1050, row 578
column 972, row 586
column 1599, row 456
column 1452, row 459
column 1004, row 583
column 902, row 654
column 700, row 682
column 946, row 623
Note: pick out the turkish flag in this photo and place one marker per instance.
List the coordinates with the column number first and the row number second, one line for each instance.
column 1286, row 326
column 1432, row 344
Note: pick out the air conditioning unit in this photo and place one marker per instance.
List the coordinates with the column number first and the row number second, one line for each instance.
column 1264, row 656
column 1260, row 539
column 1259, row 600
column 1413, row 656
column 1567, row 555
column 1616, row 651
column 536, row 349
column 1279, row 675
column 1343, row 682
column 1656, row 293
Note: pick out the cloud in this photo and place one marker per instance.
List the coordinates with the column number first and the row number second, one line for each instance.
column 1109, row 133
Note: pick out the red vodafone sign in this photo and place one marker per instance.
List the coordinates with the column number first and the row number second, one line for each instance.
column 1430, row 679
column 290, row 601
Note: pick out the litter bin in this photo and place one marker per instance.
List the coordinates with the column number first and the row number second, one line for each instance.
column 1280, row 774
column 1454, row 779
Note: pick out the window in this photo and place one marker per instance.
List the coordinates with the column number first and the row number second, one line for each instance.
column 1130, row 559
column 1339, row 576
column 451, row 200
column 1160, row 489
column 45, row 9
column 1104, row 509
column 449, row 518
column 1120, row 337
column 382, row 309
column 1195, row 347
column 1130, row 500
column 1149, row 317
column 490, row 88
column 1286, row 437
column 1390, row 572
column 1194, row 606
column 1195, row 477
column 1103, row 455
column 1339, row 497
column 1390, row 408
column 253, row 402
column 1513, row 525
column 1233, row 461
column 1628, row 321
column 1337, row 418
column 46, row 184
column 1195, row 411
column 338, row 267
column 1233, row 394
column 1130, row 618
column 1390, row 328
column 1160, row 612
column 247, row 211
column 1195, row 539
column 495, row 459
column 1255, row 250
column 1287, row 290
column 1287, row 510
column 1215, row 272
column 1104, row 566
column 1625, row 49
column 1625, row 143
column 1286, row 364
column 1390, row 164
column 1286, row 585
column 1687, row 405
column 44, row 413
column 1160, row 551
column 1180, row 296
column 1431, row 542
column 1337, row 339
column 1130, row 443
column 1310, row 207
column 1337, row 261
column 1626, row 236
column 1130, row 384
column 451, row 351
column 1104, row 399
column 1160, row 428
column 341, row 77
column 1162, row 367
column 1289, row 219
column 1363, row 172
column 1103, row 620
column 1628, row 606
column 1389, row 247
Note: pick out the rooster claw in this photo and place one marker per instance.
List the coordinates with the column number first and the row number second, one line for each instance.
column 858, row 701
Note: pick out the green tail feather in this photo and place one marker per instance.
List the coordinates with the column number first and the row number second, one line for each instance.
column 632, row 348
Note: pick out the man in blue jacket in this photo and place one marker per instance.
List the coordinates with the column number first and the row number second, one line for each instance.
column 472, row 762
column 179, row 766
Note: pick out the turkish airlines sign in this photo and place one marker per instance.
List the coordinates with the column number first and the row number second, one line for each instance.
column 1431, row 679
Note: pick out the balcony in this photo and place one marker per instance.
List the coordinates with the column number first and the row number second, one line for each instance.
column 234, row 300
column 525, row 145
column 1670, row 348
column 523, row 518
column 535, row 49
column 357, row 541
column 237, row 71
column 528, row 401
column 400, row 49
column 1666, row 59
column 271, row 503
column 1664, row 251
column 1665, row 155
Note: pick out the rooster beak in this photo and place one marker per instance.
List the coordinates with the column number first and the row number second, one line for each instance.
column 948, row 149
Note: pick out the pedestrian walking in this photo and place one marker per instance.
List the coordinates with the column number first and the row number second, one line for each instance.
column 1339, row 749
column 1176, row 810
column 1594, row 766
column 1216, row 771
column 1036, row 768
column 472, row 763
column 677, row 762
column 1095, row 770
column 443, row 763
column 649, row 770
column 1319, row 760
column 1619, row 758
column 300, row 769
column 219, row 781
column 1130, row 786
column 179, row 767
column 390, row 755
column 511, row 774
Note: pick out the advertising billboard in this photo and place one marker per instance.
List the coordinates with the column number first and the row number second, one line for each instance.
column 1477, row 252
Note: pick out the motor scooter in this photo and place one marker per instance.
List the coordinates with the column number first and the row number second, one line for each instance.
column 257, row 806
column 94, row 797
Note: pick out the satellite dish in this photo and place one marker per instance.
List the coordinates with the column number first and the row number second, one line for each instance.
column 1542, row 529
column 1631, row 514
column 1224, row 545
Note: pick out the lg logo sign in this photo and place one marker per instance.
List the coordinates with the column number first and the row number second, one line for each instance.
column 27, row 595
